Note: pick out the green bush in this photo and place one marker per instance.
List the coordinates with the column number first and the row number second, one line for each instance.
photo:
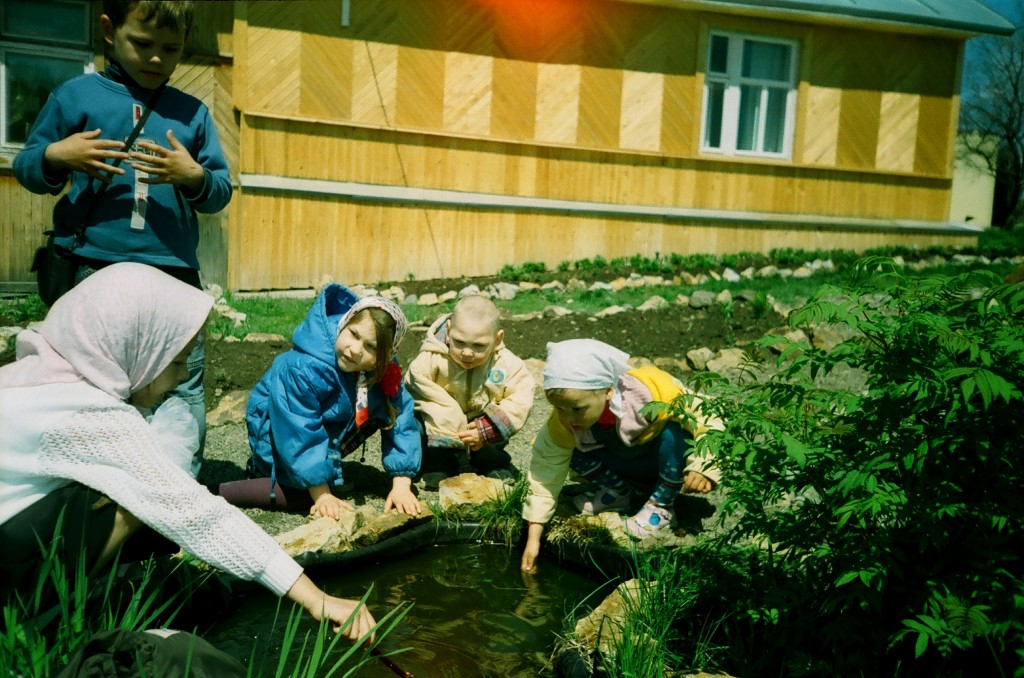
column 883, row 524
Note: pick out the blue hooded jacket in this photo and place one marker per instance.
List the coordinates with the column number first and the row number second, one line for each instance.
column 304, row 405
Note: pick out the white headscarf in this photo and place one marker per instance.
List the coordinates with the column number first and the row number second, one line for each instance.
column 384, row 304
column 118, row 329
column 584, row 364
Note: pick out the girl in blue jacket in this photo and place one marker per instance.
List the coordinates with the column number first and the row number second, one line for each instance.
column 321, row 400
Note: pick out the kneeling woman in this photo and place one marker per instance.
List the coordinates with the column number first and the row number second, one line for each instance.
column 80, row 462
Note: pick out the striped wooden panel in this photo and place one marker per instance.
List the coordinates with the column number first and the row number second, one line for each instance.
column 897, row 136
column 599, row 104
column 273, row 57
column 468, row 82
column 326, row 63
column 211, row 32
column 821, row 126
column 558, row 97
column 858, row 129
column 513, row 99
column 374, row 83
column 642, row 106
column 680, row 117
column 936, row 124
column 420, row 80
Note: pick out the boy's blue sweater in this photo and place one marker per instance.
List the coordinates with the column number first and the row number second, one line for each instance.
column 171, row 232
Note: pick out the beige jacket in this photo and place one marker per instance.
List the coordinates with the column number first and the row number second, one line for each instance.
column 447, row 396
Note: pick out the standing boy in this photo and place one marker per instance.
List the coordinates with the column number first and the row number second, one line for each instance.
column 471, row 393
column 146, row 206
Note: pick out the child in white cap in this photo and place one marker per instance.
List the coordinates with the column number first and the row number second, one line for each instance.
column 596, row 429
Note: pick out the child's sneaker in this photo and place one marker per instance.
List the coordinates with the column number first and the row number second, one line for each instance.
column 651, row 519
column 605, row 499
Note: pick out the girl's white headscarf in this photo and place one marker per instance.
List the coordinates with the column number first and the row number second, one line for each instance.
column 386, row 305
column 117, row 329
column 583, row 364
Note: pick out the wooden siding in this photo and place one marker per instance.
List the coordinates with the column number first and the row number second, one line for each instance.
column 303, row 239
column 621, row 78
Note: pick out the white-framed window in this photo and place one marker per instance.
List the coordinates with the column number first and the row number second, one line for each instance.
column 749, row 95
column 42, row 44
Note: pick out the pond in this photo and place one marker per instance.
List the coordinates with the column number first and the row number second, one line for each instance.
column 473, row 612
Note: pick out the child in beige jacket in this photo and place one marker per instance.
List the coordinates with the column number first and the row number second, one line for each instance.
column 471, row 393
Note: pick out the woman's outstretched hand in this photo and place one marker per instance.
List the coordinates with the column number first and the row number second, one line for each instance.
column 337, row 610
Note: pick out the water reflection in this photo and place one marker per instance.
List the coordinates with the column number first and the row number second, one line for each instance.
column 474, row 613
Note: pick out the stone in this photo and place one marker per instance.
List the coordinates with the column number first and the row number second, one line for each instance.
column 724, row 297
column 767, row 271
column 600, row 285
column 726, row 361
column 556, row 312
column 803, row 272
column 447, row 296
column 730, row 275
column 320, row 534
column 699, row 357
column 616, row 285
column 653, row 280
column 553, row 286
column 394, row 293
column 469, row 290
column 575, row 285
column 468, row 488
column 611, row 310
column 428, row 299
column 654, row 303
column 388, row 524
column 672, row 363
column 682, row 300
column 826, row 336
column 601, row 629
column 230, row 409
column 504, row 291
column 7, row 332
column 528, row 286
column 265, row 338
column 702, row 299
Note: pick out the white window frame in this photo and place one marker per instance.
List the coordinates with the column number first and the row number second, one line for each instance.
column 75, row 49
column 732, row 80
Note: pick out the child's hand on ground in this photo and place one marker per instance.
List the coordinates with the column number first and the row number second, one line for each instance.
column 471, row 437
column 175, row 166
column 86, row 152
column 326, row 504
column 695, row 482
column 402, row 498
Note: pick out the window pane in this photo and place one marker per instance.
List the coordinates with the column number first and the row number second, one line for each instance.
column 765, row 60
column 749, row 118
column 718, row 61
column 713, row 124
column 775, row 120
column 63, row 22
column 29, row 81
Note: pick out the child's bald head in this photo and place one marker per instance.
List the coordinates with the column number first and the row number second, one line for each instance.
column 474, row 331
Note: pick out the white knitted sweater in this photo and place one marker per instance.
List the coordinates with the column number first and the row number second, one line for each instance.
column 75, row 432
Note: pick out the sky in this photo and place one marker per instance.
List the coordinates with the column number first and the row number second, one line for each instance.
column 1006, row 8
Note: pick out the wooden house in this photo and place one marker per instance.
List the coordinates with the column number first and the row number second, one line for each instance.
column 378, row 140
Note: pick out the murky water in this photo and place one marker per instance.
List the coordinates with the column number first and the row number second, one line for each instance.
column 473, row 614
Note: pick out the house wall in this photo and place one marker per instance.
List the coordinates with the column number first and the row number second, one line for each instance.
column 600, row 104
column 593, row 110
